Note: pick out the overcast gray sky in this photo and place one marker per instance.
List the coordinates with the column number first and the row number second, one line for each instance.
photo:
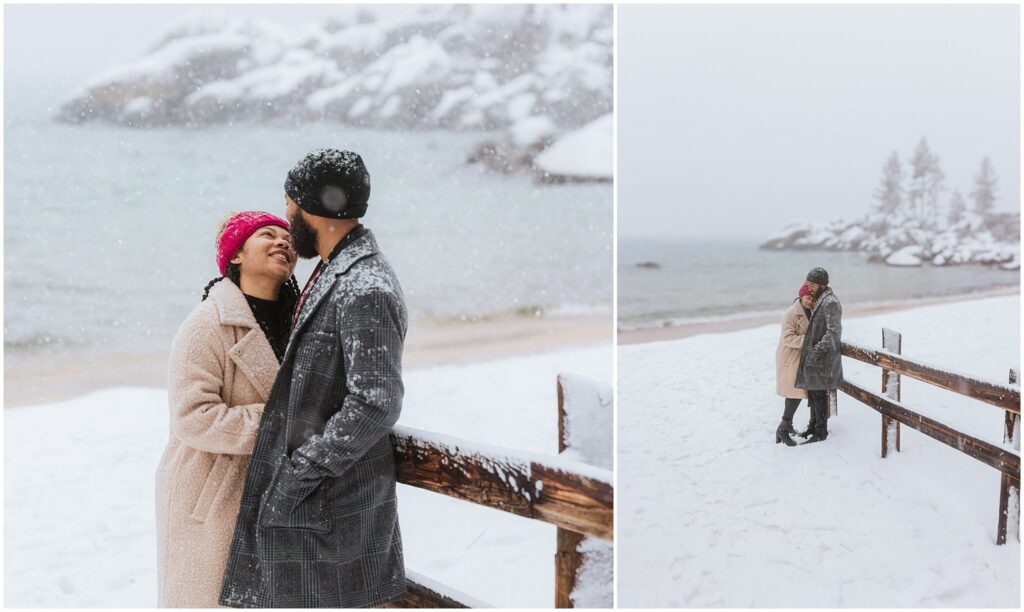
column 734, row 120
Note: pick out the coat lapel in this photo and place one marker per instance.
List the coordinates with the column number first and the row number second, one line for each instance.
column 251, row 354
column 361, row 248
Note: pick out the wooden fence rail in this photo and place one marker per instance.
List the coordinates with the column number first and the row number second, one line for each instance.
column 989, row 454
column 566, row 494
column 1001, row 396
column 575, row 497
column 894, row 413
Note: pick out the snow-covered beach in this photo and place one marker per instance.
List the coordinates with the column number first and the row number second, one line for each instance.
column 712, row 513
column 79, row 513
column 739, row 321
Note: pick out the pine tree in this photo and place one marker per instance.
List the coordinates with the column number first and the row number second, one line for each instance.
column 919, row 164
column 957, row 207
column 925, row 184
column 933, row 189
column 889, row 192
column 984, row 194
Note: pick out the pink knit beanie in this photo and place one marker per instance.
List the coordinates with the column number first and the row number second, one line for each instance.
column 237, row 229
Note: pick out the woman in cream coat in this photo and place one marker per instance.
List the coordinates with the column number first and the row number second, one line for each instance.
column 223, row 362
column 787, row 360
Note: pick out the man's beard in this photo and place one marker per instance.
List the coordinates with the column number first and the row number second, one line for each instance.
column 304, row 237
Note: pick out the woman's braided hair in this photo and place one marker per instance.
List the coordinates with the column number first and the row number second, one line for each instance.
column 289, row 290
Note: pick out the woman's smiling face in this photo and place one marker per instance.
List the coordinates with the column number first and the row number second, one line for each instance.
column 268, row 252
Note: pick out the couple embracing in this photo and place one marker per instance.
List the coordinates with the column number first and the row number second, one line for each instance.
column 808, row 360
column 277, row 486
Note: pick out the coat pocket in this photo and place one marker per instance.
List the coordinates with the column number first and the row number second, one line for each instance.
column 212, row 486
column 292, row 503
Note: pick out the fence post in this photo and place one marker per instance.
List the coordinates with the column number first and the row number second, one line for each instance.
column 567, row 556
column 892, row 341
column 1009, row 487
column 1009, row 507
column 1011, row 433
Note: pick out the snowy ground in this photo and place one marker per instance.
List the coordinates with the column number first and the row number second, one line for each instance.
column 712, row 513
column 79, row 524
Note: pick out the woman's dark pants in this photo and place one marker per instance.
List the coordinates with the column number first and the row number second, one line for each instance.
column 792, row 403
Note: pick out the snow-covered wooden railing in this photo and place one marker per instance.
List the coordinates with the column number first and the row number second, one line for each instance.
column 1002, row 396
column 422, row 592
column 583, row 564
column 1006, row 397
column 564, row 493
column 572, row 495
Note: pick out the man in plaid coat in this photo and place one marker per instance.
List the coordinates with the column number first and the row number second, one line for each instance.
column 318, row 522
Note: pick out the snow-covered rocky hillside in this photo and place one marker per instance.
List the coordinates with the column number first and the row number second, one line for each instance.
column 911, row 223
column 535, row 72
column 900, row 241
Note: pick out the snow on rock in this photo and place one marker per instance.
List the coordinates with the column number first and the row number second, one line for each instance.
column 452, row 67
column 584, row 154
column 902, row 240
column 713, row 513
column 529, row 72
column 907, row 256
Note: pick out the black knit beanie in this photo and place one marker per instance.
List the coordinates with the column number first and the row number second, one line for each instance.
column 818, row 276
column 330, row 183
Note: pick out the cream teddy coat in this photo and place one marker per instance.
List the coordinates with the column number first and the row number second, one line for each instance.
column 787, row 354
column 221, row 370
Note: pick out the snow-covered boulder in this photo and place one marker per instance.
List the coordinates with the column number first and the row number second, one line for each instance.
column 584, row 154
column 906, row 257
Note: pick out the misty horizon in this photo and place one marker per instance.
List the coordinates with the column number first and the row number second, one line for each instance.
column 737, row 120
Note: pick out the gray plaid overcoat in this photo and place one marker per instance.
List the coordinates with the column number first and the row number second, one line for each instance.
column 318, row 523
column 821, row 356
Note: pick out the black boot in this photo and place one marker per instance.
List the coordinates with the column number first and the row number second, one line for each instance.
column 819, row 410
column 782, row 432
column 811, row 426
column 818, row 435
column 792, row 403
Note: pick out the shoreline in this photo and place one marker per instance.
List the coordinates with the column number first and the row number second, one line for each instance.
column 42, row 377
column 679, row 332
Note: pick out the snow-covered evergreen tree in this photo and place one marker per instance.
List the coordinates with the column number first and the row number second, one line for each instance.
column 889, row 193
column 957, row 208
column 925, row 184
column 916, row 228
column 919, row 163
column 984, row 194
column 933, row 190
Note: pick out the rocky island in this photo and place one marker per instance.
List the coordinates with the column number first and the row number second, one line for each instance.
column 910, row 225
column 530, row 76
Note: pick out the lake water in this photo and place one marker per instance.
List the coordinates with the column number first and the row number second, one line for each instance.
column 707, row 280
column 109, row 233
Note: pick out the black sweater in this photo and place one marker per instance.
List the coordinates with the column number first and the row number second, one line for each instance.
column 275, row 320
